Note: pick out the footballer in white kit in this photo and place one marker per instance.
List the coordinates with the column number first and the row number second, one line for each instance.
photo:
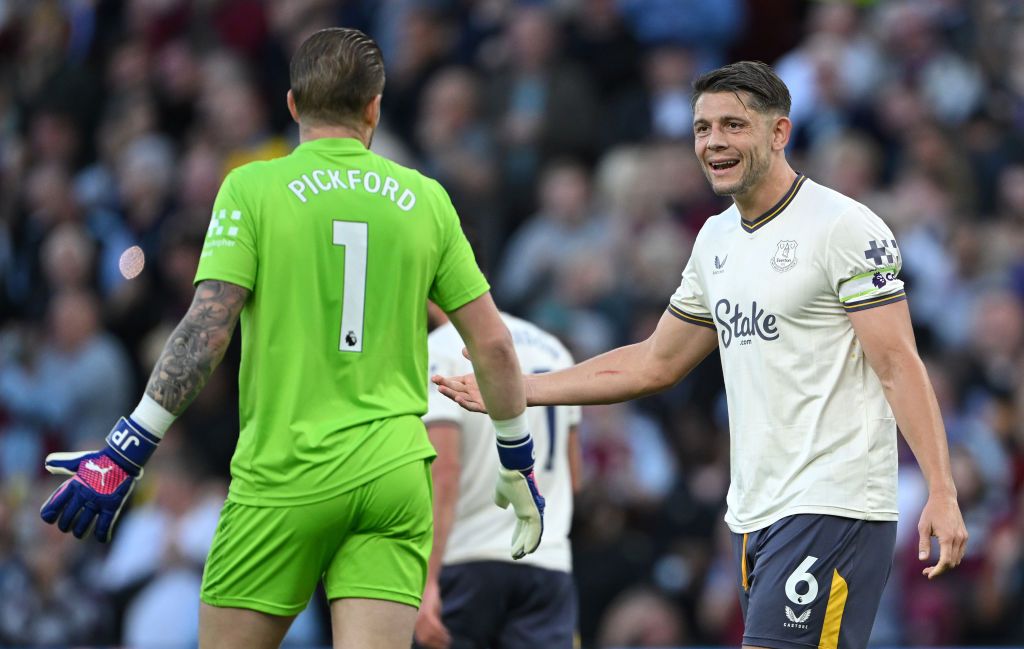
column 487, row 600
column 798, row 287
column 810, row 429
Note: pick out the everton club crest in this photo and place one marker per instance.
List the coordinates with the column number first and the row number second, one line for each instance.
column 785, row 256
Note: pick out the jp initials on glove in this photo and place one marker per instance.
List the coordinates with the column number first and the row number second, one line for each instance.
column 101, row 481
column 516, row 486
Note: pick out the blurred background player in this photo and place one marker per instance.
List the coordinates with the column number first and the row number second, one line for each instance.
column 798, row 288
column 330, row 478
column 475, row 597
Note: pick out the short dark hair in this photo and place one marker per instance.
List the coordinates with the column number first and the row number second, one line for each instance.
column 768, row 94
column 335, row 73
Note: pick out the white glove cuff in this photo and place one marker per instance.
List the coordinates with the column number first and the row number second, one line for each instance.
column 152, row 416
column 510, row 430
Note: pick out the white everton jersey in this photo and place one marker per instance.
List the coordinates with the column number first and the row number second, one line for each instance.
column 810, row 429
column 481, row 530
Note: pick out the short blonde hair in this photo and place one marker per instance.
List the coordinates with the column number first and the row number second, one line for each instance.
column 335, row 73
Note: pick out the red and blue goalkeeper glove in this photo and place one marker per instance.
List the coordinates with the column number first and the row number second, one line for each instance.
column 101, row 481
column 517, row 486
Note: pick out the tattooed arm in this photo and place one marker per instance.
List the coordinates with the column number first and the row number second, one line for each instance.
column 102, row 480
column 197, row 345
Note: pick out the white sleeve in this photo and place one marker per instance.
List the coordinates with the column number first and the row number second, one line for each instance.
column 863, row 262
column 689, row 302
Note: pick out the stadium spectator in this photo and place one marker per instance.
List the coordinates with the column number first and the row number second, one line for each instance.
column 63, row 389
column 707, row 26
column 234, row 115
column 539, row 106
column 649, row 216
column 598, row 38
column 48, row 592
column 660, row 109
column 910, row 34
column 642, row 618
column 424, row 49
column 626, row 457
column 565, row 224
column 458, row 149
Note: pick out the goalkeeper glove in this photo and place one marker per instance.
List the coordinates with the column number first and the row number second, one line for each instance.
column 517, row 486
column 101, row 481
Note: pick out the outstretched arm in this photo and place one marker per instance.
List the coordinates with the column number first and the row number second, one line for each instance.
column 669, row 354
column 887, row 337
column 101, row 481
column 197, row 345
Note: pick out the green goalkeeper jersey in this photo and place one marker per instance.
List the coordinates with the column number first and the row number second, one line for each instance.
column 341, row 249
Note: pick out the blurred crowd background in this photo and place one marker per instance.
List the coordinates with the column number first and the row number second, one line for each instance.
column 562, row 130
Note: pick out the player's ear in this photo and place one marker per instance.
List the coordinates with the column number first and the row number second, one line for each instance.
column 371, row 114
column 782, row 128
column 291, row 106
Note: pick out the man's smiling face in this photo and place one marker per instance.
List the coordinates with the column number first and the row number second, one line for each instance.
column 732, row 141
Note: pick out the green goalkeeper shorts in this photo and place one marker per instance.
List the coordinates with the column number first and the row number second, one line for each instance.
column 371, row 542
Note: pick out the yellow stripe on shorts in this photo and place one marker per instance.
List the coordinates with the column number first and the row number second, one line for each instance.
column 833, row 613
column 743, row 564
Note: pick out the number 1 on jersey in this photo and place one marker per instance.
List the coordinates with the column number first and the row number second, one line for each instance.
column 351, row 236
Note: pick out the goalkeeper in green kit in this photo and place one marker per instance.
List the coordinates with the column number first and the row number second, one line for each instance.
column 328, row 256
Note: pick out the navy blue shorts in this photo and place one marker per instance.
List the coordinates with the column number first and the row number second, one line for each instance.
column 501, row 605
column 812, row 580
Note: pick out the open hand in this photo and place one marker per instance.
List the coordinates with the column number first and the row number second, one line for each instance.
column 463, row 390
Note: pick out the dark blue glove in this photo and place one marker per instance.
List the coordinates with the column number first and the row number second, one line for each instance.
column 101, row 481
column 517, row 486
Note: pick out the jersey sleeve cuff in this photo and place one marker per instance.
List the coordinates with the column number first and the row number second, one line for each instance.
column 874, row 301
column 231, row 278
column 464, row 298
column 701, row 321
